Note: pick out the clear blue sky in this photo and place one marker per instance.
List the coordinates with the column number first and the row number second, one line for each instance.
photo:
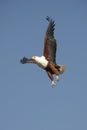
column 27, row 100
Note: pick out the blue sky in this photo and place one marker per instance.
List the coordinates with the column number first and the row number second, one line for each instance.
column 27, row 100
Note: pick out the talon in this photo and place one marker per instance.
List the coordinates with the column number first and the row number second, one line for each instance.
column 53, row 84
column 57, row 77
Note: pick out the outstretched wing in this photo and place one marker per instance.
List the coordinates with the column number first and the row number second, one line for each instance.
column 50, row 45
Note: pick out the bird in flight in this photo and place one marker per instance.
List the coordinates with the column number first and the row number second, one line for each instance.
column 48, row 60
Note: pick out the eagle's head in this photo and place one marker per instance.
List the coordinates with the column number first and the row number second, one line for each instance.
column 40, row 61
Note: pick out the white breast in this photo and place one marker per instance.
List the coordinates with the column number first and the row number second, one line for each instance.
column 42, row 62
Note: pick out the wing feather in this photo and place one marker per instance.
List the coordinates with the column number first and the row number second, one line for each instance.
column 50, row 45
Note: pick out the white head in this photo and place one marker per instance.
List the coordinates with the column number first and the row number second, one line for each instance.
column 41, row 61
column 35, row 58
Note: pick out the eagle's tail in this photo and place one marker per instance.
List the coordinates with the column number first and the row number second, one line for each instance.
column 61, row 68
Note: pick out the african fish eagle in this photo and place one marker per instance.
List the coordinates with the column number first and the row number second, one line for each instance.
column 48, row 60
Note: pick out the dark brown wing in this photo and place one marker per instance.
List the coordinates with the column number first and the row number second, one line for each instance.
column 50, row 45
column 26, row 60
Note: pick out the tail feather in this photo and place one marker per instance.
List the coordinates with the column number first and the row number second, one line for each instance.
column 61, row 68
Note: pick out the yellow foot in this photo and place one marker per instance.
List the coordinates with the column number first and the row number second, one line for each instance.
column 57, row 77
column 53, row 84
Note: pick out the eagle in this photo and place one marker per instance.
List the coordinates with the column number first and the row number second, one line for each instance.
column 48, row 60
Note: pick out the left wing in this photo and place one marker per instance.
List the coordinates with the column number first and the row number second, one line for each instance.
column 50, row 45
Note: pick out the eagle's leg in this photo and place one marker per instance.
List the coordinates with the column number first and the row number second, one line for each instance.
column 54, row 70
column 51, row 77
